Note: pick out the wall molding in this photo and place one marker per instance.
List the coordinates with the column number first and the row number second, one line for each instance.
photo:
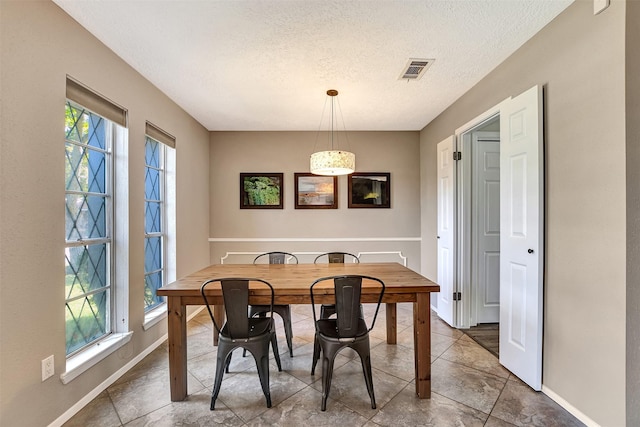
column 403, row 259
column 315, row 239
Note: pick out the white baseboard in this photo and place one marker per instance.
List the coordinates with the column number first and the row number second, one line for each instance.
column 569, row 407
column 69, row 413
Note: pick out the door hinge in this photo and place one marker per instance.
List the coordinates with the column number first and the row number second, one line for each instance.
column 457, row 296
column 457, row 155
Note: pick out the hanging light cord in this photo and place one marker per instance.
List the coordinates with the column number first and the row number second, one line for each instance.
column 333, row 116
column 344, row 127
column 324, row 108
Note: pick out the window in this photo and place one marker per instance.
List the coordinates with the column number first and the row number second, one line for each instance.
column 154, row 223
column 159, row 153
column 88, row 220
column 96, row 308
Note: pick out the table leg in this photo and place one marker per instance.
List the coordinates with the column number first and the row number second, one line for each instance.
column 392, row 323
column 422, row 344
column 177, row 331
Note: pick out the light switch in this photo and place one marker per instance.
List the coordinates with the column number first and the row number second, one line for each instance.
column 599, row 6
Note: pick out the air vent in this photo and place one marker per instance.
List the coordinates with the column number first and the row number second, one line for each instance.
column 415, row 69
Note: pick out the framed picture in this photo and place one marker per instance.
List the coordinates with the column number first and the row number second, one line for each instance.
column 261, row 190
column 369, row 190
column 316, row 191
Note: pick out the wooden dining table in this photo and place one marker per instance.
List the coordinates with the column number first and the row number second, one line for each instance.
column 291, row 286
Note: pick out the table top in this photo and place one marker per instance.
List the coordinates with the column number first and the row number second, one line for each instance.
column 295, row 279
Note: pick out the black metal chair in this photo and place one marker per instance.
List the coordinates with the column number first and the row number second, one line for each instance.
column 242, row 331
column 327, row 310
column 348, row 329
column 336, row 257
column 283, row 310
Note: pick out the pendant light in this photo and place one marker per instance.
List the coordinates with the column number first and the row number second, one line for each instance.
column 334, row 161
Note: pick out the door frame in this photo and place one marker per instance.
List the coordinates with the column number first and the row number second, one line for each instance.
column 465, row 309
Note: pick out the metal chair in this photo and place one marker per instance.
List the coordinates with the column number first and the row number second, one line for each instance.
column 283, row 310
column 336, row 257
column 327, row 310
column 348, row 329
column 242, row 331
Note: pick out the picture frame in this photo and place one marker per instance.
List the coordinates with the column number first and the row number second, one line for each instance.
column 369, row 190
column 315, row 191
column 261, row 190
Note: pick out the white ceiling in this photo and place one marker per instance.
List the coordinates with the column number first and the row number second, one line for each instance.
column 266, row 65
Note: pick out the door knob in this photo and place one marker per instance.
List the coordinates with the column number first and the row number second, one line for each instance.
column 530, row 251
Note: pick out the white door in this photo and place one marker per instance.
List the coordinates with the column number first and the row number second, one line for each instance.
column 521, row 236
column 485, row 226
column 446, row 229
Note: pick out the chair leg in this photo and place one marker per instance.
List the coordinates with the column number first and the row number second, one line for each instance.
column 316, row 354
column 368, row 379
column 364, row 351
column 276, row 352
column 228, row 362
column 222, row 363
column 327, row 374
column 263, row 373
column 288, row 330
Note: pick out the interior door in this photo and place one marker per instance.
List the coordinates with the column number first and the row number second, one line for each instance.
column 521, row 236
column 485, row 226
column 446, row 229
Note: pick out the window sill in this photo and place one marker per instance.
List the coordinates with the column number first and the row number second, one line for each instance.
column 154, row 316
column 84, row 360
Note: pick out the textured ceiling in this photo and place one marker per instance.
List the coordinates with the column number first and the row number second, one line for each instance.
column 266, row 65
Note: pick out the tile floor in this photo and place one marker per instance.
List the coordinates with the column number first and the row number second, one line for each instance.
column 469, row 386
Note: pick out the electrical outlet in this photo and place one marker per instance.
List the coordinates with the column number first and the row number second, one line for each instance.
column 47, row 367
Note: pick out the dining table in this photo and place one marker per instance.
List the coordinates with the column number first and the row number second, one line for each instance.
column 291, row 284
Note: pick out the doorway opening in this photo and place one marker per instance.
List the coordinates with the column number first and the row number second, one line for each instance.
column 479, row 193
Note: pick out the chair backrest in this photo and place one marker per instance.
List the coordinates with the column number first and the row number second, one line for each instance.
column 348, row 292
column 235, row 293
column 277, row 258
column 337, row 257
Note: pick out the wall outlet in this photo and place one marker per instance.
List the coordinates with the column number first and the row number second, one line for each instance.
column 47, row 368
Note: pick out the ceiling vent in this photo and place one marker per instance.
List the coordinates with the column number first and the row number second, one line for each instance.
column 415, row 68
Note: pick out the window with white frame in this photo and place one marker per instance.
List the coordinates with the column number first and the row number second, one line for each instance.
column 159, row 151
column 96, row 290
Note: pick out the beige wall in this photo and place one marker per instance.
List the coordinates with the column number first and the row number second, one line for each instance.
column 40, row 46
column 579, row 58
column 633, row 208
column 288, row 152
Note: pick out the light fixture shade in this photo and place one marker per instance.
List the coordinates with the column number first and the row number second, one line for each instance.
column 333, row 162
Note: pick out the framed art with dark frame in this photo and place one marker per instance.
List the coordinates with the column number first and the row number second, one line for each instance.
column 261, row 190
column 369, row 190
column 315, row 191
